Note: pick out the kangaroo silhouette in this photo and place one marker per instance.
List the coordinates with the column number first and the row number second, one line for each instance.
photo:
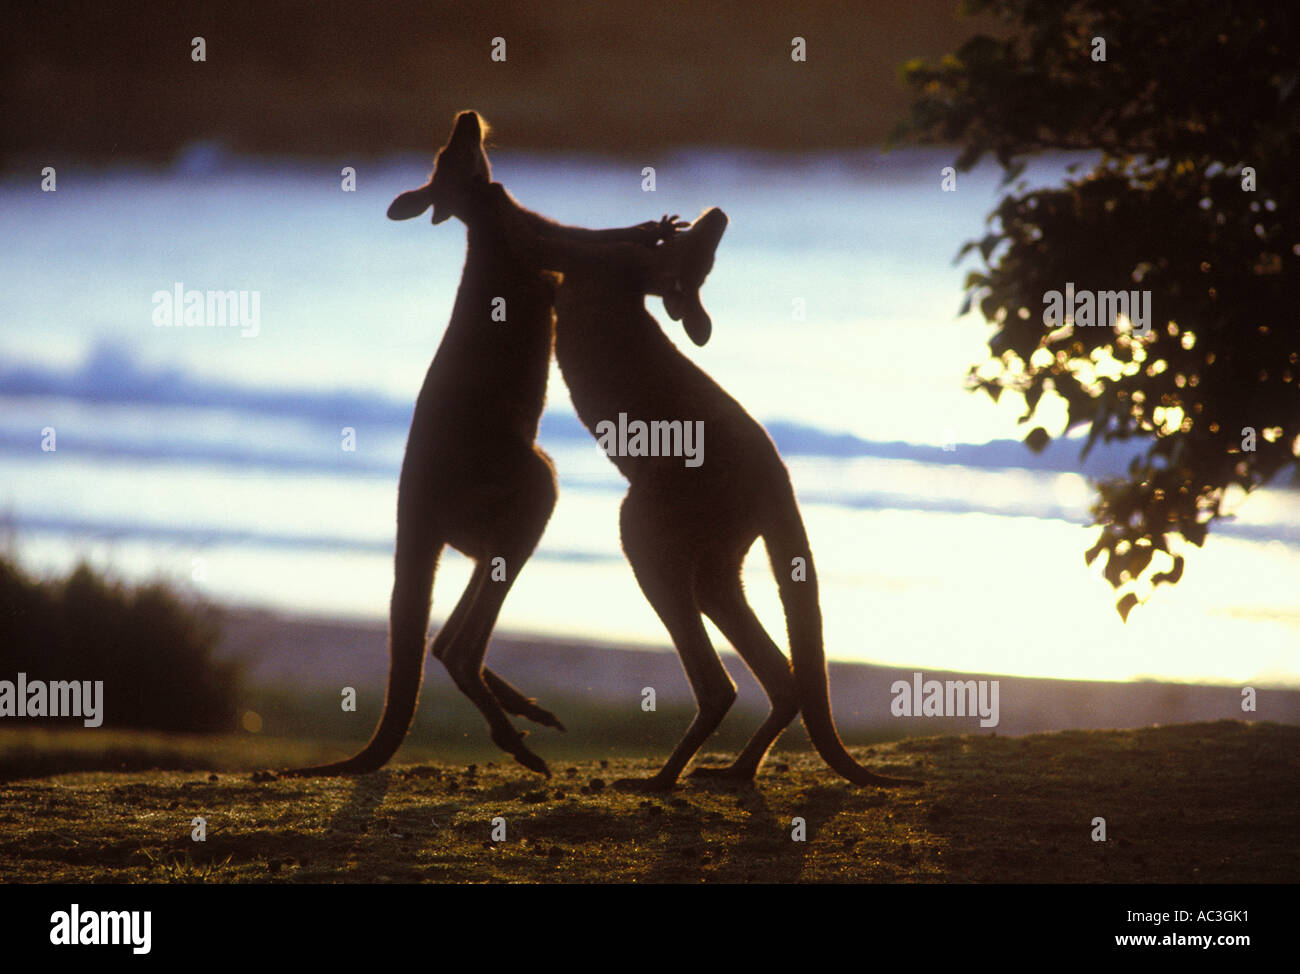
column 472, row 476
column 686, row 527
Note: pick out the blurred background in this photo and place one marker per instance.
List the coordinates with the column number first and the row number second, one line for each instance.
column 216, row 459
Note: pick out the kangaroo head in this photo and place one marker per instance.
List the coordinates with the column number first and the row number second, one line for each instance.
column 461, row 166
column 682, row 294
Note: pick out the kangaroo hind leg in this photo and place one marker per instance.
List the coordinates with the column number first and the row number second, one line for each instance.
column 722, row 597
column 511, row 700
column 517, row 524
column 662, row 563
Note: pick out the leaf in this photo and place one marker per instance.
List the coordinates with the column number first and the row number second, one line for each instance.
column 1091, row 554
column 1125, row 605
column 1032, row 397
column 1038, row 439
column 1114, row 570
column 1139, row 559
column 1012, row 171
column 1173, row 575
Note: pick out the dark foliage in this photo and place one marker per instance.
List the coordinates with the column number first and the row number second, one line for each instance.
column 152, row 649
column 1195, row 119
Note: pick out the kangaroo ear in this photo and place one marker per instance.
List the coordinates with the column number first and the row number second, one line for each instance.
column 411, row 203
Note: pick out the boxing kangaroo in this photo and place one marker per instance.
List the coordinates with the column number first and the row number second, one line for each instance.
column 472, row 476
column 687, row 522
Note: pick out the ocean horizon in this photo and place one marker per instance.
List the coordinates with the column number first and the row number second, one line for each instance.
column 219, row 456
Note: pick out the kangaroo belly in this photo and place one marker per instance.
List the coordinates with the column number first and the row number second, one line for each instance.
column 490, row 371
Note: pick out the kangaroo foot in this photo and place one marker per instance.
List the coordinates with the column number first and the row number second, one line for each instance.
column 539, row 715
column 514, row 745
column 514, row 702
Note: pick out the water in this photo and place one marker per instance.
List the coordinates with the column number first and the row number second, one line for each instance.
column 213, row 455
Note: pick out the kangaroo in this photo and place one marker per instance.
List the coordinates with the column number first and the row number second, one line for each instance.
column 472, row 476
column 686, row 527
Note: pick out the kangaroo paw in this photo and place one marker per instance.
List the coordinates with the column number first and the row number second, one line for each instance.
column 668, row 226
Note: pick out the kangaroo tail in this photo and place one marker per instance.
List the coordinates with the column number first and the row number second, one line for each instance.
column 408, row 626
column 787, row 540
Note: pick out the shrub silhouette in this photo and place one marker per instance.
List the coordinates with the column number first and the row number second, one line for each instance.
column 153, row 649
column 1192, row 198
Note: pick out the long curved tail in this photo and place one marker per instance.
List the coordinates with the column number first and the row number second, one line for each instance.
column 408, row 626
column 787, row 540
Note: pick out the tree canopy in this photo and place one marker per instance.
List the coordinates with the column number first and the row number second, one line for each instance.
column 1192, row 114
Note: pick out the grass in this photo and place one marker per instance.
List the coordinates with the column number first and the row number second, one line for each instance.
column 1188, row 803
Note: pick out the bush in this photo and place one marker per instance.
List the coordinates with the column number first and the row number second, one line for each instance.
column 153, row 649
